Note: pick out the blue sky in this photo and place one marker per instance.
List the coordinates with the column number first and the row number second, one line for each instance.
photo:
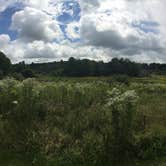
column 45, row 30
column 147, row 26
column 5, row 20
column 70, row 12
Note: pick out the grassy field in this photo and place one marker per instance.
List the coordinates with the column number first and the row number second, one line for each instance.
column 83, row 121
column 13, row 160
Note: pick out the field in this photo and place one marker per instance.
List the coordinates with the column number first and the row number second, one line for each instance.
column 91, row 121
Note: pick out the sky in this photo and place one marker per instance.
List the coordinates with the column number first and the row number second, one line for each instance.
column 52, row 30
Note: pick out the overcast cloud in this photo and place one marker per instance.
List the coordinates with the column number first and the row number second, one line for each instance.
column 45, row 30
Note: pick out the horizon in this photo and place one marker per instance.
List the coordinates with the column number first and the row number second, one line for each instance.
column 44, row 31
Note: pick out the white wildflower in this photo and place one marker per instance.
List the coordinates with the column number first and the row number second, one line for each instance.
column 15, row 102
column 117, row 97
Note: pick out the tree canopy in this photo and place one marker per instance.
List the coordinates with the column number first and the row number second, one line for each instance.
column 5, row 64
column 81, row 68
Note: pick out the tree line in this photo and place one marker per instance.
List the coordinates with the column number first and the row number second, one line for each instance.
column 80, row 68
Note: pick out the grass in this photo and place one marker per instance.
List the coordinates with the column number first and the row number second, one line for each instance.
column 58, row 93
column 11, row 159
column 16, row 160
column 157, row 162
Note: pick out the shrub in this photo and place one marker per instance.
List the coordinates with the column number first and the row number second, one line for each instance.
column 151, row 145
column 1, row 74
column 17, row 76
column 28, row 73
column 124, row 79
column 122, row 106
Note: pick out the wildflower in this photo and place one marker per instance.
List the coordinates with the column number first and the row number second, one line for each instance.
column 15, row 102
column 117, row 98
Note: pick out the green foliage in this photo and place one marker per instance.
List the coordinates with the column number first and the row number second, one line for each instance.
column 84, row 68
column 121, row 79
column 151, row 145
column 5, row 64
column 1, row 74
column 121, row 110
column 27, row 73
column 84, row 123
column 17, row 76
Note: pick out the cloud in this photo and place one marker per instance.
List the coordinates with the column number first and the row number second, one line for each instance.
column 4, row 40
column 89, row 6
column 113, row 29
column 40, row 51
column 39, row 4
column 116, row 38
column 4, row 4
column 133, row 29
column 32, row 24
column 48, row 52
column 73, row 30
column 13, row 49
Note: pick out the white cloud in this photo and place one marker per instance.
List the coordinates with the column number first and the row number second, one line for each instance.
column 111, row 27
column 13, row 49
column 40, row 51
column 106, row 29
column 39, row 4
column 4, row 40
column 33, row 24
column 88, row 6
column 119, row 34
column 73, row 30
column 4, row 4
column 52, row 51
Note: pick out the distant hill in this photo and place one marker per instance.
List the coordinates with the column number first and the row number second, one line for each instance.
column 81, row 68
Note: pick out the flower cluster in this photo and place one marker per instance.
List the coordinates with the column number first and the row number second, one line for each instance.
column 117, row 98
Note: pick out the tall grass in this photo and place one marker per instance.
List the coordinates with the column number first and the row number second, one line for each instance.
column 81, row 123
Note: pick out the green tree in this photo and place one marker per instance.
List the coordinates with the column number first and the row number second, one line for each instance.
column 5, row 64
column 28, row 73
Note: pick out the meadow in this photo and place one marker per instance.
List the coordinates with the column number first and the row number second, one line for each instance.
column 88, row 121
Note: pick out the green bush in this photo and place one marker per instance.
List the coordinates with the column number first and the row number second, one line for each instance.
column 124, row 79
column 151, row 145
column 17, row 76
column 28, row 73
column 122, row 107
